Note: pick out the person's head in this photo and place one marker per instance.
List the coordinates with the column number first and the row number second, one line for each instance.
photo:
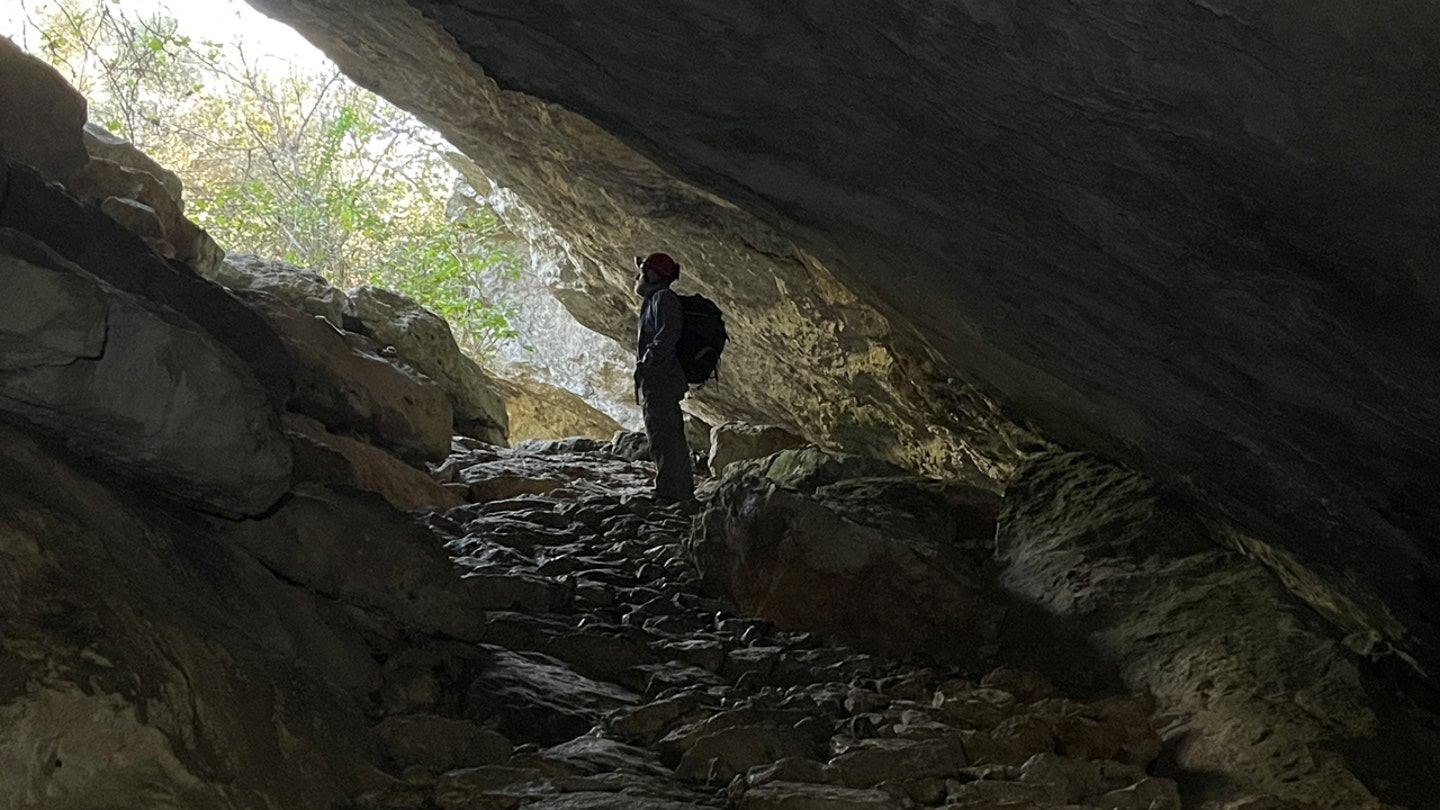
column 657, row 269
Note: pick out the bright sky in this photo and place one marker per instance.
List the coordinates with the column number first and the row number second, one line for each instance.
column 268, row 45
column 220, row 20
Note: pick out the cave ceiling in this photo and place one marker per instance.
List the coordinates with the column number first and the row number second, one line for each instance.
column 1197, row 237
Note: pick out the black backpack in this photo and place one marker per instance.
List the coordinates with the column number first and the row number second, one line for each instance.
column 702, row 339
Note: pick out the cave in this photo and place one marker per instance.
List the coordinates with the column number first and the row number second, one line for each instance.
column 1146, row 292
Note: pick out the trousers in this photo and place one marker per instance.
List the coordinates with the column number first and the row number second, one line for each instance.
column 665, row 428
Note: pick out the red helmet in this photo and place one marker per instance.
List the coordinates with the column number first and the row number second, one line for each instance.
column 660, row 264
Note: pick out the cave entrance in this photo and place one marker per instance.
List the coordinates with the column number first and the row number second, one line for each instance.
column 260, row 139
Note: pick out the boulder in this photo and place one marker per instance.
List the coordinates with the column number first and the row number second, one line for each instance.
column 805, row 565
column 497, row 786
column 721, row 755
column 423, row 339
column 540, row 411
column 503, row 485
column 124, row 260
column 1082, row 781
column 789, row 769
column 302, row 289
column 136, row 217
column 697, row 435
column 1211, row 632
column 538, row 698
column 142, row 203
column 874, row 761
column 1147, row 794
column 808, row 468
column 550, row 447
column 740, row 441
column 342, row 380
column 941, row 513
column 144, row 196
column 631, row 445
column 45, row 128
column 594, row 755
column 597, row 654
column 44, row 115
column 439, row 743
column 648, row 723
column 326, row 458
column 562, row 469
column 501, row 588
column 135, row 383
column 49, row 316
column 355, row 548
column 184, row 674
column 102, row 143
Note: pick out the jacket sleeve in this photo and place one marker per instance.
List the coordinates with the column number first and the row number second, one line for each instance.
column 669, row 318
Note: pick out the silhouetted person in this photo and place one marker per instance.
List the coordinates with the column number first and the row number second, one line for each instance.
column 659, row 381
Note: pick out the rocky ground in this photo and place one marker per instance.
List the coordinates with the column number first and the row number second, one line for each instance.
column 560, row 641
column 605, row 677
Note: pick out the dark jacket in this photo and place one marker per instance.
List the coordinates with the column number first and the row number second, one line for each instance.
column 657, row 369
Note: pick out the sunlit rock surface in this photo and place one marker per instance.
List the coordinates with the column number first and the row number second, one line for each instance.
column 102, row 143
column 422, row 339
column 1195, row 237
column 302, row 289
column 550, row 348
column 338, row 460
column 343, row 380
column 539, row 410
column 143, row 201
column 134, row 383
column 738, row 441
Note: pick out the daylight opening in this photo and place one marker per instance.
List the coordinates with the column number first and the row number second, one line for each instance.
column 280, row 154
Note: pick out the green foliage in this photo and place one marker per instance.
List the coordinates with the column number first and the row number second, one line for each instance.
column 448, row 287
column 301, row 166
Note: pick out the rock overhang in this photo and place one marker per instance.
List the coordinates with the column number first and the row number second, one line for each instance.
column 1196, row 237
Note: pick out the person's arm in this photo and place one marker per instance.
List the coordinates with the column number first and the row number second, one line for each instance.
column 669, row 318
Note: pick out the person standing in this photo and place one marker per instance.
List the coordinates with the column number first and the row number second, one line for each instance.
column 659, row 381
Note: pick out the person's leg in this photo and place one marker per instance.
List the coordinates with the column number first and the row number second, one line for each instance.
column 665, row 428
